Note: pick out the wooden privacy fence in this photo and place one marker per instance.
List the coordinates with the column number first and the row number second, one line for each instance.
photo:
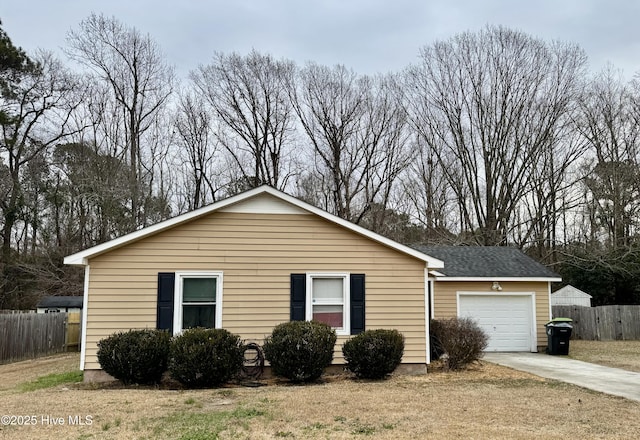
column 602, row 323
column 29, row 335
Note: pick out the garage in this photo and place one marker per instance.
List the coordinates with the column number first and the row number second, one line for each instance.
column 504, row 289
column 507, row 319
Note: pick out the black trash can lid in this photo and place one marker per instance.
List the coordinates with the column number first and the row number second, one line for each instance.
column 559, row 322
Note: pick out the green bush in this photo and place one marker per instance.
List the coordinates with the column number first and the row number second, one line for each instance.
column 300, row 350
column 461, row 339
column 135, row 356
column 374, row 354
column 205, row 357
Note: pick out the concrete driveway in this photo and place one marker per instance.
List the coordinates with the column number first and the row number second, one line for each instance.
column 595, row 377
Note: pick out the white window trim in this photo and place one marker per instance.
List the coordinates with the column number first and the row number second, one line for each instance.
column 177, row 304
column 346, row 297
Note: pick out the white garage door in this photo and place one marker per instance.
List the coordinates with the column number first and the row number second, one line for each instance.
column 507, row 320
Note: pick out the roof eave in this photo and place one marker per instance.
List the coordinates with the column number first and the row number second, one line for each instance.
column 73, row 260
column 502, row 279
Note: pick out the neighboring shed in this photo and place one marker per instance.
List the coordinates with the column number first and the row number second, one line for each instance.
column 503, row 289
column 56, row 304
column 570, row 296
column 248, row 263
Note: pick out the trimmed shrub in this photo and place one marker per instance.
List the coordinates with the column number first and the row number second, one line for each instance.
column 205, row 357
column 461, row 339
column 300, row 350
column 374, row 354
column 135, row 356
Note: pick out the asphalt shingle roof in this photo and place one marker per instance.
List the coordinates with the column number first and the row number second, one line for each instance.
column 486, row 261
column 60, row 301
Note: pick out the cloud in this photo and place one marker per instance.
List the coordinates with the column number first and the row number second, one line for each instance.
column 368, row 36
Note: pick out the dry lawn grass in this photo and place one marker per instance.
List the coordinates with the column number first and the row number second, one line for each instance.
column 619, row 354
column 485, row 402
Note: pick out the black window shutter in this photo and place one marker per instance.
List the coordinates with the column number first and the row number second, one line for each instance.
column 298, row 294
column 166, row 286
column 357, row 303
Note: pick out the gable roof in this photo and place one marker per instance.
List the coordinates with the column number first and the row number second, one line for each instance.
column 60, row 301
column 569, row 291
column 263, row 199
column 499, row 263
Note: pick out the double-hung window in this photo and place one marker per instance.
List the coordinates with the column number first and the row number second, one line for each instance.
column 327, row 299
column 198, row 300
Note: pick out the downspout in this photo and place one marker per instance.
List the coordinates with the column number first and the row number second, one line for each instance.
column 549, row 299
column 85, row 307
column 427, row 314
column 433, row 301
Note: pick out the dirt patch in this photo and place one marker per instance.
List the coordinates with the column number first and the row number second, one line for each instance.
column 485, row 402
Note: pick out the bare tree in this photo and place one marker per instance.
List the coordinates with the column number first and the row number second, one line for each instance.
column 198, row 149
column 605, row 256
column 384, row 137
column 92, row 198
column 139, row 80
column 609, row 124
column 330, row 105
column 491, row 102
column 157, row 174
column 541, row 220
column 428, row 197
column 250, row 100
column 88, row 198
column 357, row 126
column 35, row 116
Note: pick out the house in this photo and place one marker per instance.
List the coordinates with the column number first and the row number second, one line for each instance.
column 248, row 263
column 252, row 261
column 56, row 304
column 503, row 289
column 570, row 296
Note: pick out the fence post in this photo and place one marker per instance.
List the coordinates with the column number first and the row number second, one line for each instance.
column 617, row 322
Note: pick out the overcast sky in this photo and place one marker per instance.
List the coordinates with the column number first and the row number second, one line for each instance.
column 369, row 36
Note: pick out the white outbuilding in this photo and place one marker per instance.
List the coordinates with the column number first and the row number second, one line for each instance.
column 570, row 296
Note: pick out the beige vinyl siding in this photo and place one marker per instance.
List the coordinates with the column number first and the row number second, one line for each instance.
column 445, row 298
column 257, row 254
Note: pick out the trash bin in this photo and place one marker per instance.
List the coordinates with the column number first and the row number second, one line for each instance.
column 558, row 335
